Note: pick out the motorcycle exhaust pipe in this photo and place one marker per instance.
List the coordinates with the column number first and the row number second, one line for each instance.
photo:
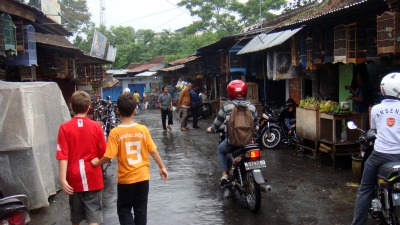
column 266, row 188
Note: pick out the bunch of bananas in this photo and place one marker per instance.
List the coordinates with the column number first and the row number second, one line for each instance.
column 328, row 106
column 310, row 102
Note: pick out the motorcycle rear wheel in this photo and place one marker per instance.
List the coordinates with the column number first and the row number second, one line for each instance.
column 253, row 193
column 271, row 139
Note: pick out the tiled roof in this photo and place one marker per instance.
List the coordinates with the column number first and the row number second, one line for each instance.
column 306, row 13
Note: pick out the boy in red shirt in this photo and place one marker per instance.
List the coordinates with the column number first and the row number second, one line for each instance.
column 132, row 144
column 79, row 141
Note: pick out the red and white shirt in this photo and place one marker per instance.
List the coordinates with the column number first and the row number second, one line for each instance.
column 79, row 141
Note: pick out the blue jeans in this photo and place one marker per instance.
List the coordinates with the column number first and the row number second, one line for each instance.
column 368, row 182
column 224, row 149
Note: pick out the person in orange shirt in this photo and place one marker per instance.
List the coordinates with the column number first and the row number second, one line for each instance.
column 132, row 144
column 184, row 104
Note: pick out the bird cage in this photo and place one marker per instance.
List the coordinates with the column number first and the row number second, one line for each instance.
column 328, row 44
column 356, row 43
column 339, row 51
column 388, row 32
column 314, row 50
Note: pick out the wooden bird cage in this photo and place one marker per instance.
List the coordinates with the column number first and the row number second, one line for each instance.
column 339, row 51
column 388, row 33
column 314, row 50
column 356, row 43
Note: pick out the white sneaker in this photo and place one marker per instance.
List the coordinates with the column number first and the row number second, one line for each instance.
column 224, row 179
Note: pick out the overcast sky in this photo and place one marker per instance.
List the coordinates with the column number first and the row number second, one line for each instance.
column 156, row 15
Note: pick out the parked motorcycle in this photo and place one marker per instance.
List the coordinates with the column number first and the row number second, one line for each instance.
column 14, row 210
column 273, row 129
column 247, row 178
column 385, row 205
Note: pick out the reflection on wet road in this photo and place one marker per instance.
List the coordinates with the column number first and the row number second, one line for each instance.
column 301, row 192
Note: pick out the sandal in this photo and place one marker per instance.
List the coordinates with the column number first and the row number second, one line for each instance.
column 184, row 129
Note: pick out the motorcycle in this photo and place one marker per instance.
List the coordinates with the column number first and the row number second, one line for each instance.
column 273, row 129
column 246, row 178
column 385, row 205
column 14, row 210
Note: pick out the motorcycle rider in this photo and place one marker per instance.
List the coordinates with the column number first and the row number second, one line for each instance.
column 385, row 119
column 288, row 114
column 237, row 92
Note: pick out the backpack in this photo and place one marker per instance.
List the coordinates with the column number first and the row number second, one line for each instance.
column 240, row 126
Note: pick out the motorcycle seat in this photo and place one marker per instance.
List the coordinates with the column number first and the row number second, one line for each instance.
column 239, row 150
column 387, row 170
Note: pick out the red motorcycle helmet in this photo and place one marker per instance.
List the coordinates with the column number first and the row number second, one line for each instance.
column 236, row 89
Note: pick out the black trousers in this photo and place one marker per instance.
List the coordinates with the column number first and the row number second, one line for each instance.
column 195, row 115
column 164, row 114
column 132, row 196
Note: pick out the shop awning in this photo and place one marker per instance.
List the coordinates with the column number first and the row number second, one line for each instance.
column 145, row 74
column 264, row 41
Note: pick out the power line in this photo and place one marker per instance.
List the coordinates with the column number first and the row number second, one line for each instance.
column 145, row 16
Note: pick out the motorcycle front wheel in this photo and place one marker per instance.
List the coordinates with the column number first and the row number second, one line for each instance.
column 272, row 138
column 253, row 193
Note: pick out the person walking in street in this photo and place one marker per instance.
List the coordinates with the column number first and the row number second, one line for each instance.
column 385, row 119
column 184, row 105
column 195, row 104
column 237, row 93
column 137, row 99
column 165, row 104
column 132, row 144
column 79, row 141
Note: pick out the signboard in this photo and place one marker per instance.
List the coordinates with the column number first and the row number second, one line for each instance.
column 99, row 44
column 111, row 53
column 51, row 9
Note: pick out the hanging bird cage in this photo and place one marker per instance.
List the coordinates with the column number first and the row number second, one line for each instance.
column 388, row 33
column 339, row 51
column 356, row 43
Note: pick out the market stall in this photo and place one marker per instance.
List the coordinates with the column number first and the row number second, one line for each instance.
column 322, row 125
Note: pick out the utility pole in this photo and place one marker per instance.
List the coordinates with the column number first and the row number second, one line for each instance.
column 102, row 13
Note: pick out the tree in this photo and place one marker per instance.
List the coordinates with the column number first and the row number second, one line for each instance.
column 74, row 14
column 230, row 15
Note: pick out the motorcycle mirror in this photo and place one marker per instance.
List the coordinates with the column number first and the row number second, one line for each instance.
column 351, row 125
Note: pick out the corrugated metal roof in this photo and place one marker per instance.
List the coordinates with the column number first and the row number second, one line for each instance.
column 145, row 74
column 264, row 41
column 173, row 68
column 142, row 68
column 54, row 40
column 184, row 60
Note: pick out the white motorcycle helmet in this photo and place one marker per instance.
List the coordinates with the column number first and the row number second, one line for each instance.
column 390, row 85
column 126, row 90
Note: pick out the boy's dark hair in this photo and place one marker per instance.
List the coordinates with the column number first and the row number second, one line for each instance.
column 126, row 104
column 80, row 102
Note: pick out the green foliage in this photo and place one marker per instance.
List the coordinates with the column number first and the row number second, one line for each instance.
column 75, row 14
column 230, row 16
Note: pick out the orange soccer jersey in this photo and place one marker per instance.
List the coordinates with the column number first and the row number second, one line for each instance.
column 131, row 144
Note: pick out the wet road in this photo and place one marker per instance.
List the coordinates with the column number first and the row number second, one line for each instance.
column 301, row 192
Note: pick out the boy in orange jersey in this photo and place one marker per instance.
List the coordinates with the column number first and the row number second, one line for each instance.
column 132, row 144
column 79, row 141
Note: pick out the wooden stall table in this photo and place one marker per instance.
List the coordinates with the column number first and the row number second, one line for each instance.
column 307, row 127
column 331, row 126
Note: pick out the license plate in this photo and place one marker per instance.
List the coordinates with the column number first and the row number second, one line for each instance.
column 255, row 165
column 396, row 199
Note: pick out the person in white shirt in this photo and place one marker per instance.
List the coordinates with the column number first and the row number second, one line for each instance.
column 385, row 119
